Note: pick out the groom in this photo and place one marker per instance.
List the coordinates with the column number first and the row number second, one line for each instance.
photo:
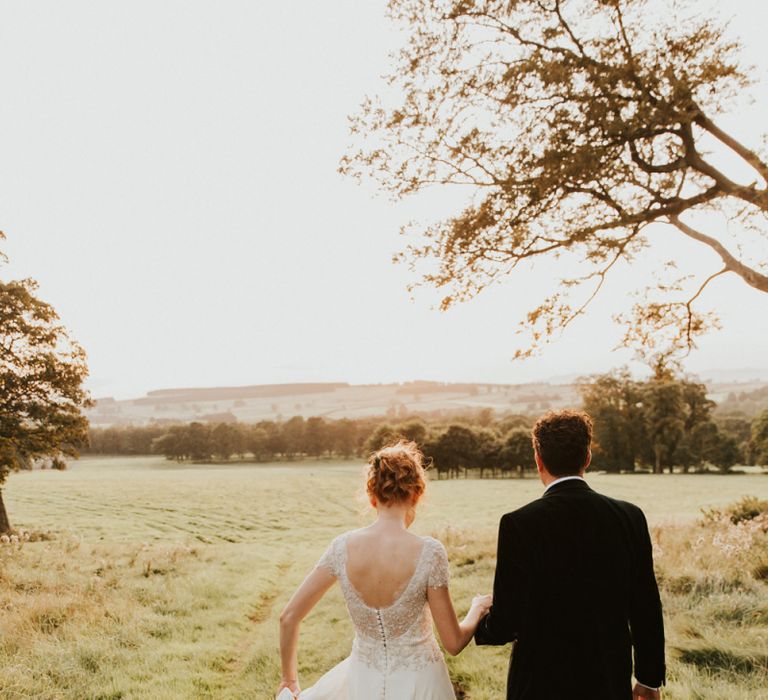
column 574, row 586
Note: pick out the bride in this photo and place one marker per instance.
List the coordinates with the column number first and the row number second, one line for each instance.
column 395, row 584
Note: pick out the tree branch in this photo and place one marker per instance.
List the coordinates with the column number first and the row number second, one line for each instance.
column 749, row 156
column 568, row 29
column 671, row 167
column 601, row 274
column 628, row 53
column 749, row 194
column 751, row 276
column 689, row 305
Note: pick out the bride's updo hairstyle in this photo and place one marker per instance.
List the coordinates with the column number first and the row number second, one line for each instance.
column 396, row 474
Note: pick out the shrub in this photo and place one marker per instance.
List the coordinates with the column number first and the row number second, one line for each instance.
column 748, row 508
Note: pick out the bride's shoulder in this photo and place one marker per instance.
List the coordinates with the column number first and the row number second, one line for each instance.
column 341, row 539
column 436, row 563
column 334, row 554
column 434, row 545
column 338, row 539
column 344, row 536
column 432, row 541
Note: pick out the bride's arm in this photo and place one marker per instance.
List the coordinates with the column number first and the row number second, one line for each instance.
column 455, row 635
column 303, row 600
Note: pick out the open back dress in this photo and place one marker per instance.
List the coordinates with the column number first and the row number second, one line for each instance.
column 395, row 655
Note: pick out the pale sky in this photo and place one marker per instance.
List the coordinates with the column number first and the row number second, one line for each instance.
column 168, row 175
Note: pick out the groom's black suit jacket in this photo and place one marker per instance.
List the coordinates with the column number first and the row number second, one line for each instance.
column 575, row 591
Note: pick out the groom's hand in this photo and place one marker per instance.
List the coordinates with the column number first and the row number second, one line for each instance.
column 640, row 691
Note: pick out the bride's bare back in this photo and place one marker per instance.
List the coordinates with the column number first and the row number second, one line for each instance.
column 391, row 581
column 381, row 564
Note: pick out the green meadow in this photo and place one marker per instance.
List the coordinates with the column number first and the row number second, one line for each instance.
column 158, row 580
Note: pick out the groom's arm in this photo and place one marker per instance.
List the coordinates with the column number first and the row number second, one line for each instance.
column 645, row 617
column 501, row 624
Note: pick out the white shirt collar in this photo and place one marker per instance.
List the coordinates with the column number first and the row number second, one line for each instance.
column 563, row 478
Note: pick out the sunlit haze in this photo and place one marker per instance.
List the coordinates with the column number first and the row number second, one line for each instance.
column 169, row 177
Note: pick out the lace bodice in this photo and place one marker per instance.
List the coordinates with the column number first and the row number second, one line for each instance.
column 400, row 635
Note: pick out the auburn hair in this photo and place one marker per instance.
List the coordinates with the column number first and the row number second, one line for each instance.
column 396, row 473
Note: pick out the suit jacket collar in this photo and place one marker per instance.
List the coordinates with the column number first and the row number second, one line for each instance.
column 569, row 485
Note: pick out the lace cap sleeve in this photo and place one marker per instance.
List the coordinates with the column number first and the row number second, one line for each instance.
column 439, row 571
column 331, row 558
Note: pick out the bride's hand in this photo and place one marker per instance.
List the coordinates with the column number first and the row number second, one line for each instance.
column 293, row 686
column 482, row 603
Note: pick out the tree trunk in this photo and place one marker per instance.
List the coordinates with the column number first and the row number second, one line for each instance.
column 657, row 468
column 5, row 526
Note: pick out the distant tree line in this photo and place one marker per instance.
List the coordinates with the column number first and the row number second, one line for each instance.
column 662, row 424
column 501, row 448
column 473, row 441
column 667, row 423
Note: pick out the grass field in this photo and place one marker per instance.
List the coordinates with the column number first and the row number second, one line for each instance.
column 166, row 581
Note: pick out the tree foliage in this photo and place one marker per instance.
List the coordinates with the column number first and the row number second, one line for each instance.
column 760, row 438
column 41, row 385
column 614, row 401
column 661, row 423
column 517, row 450
column 574, row 125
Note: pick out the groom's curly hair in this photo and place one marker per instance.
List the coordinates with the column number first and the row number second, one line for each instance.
column 563, row 439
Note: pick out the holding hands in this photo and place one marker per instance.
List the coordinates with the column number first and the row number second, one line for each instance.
column 482, row 604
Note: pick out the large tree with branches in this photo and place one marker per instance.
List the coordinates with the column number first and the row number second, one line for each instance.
column 41, row 385
column 580, row 127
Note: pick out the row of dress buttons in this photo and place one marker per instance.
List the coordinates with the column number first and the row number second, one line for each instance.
column 386, row 659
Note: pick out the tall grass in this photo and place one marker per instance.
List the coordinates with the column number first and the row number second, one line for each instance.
column 167, row 583
column 713, row 576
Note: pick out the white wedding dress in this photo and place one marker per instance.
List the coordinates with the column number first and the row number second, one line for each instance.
column 394, row 654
